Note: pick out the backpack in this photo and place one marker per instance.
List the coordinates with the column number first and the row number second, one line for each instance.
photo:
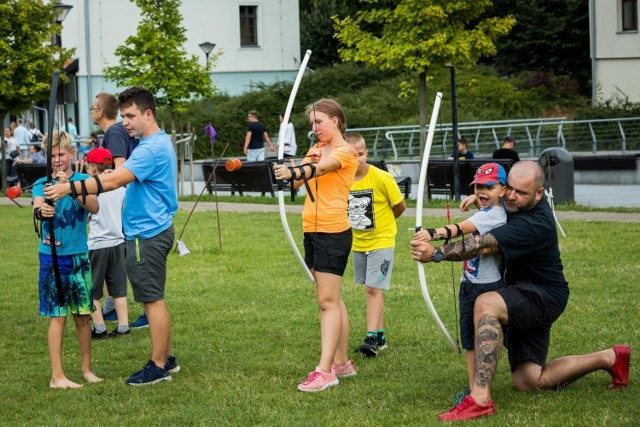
column 34, row 136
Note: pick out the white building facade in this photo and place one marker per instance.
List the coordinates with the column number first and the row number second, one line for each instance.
column 259, row 42
column 615, row 49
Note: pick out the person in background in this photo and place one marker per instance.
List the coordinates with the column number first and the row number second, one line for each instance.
column 508, row 150
column 375, row 202
column 71, row 129
column 36, row 156
column 255, row 138
column 328, row 169
column 116, row 139
column 290, row 146
column 34, row 133
column 10, row 151
column 463, row 152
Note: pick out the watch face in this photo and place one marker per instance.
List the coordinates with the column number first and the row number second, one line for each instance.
column 438, row 255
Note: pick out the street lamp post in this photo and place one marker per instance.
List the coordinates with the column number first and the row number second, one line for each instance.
column 454, row 122
column 207, row 47
column 62, row 10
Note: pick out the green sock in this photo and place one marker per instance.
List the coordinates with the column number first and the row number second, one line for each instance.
column 371, row 334
column 380, row 334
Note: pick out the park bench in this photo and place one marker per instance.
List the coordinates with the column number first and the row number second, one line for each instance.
column 28, row 173
column 440, row 174
column 603, row 162
column 251, row 177
column 404, row 182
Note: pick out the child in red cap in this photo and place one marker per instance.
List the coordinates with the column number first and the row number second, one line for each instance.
column 480, row 274
column 106, row 250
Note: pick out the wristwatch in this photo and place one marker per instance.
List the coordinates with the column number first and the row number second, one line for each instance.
column 438, row 255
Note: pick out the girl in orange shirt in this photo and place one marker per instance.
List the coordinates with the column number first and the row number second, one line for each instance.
column 328, row 171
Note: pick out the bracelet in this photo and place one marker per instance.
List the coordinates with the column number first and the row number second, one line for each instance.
column 74, row 192
column 431, row 231
column 37, row 213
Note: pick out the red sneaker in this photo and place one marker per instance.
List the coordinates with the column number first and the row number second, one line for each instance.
column 620, row 369
column 468, row 410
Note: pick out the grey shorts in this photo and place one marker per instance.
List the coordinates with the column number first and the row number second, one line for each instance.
column 108, row 264
column 147, row 265
column 255, row 154
column 374, row 268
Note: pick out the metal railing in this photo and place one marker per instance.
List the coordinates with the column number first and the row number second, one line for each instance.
column 532, row 136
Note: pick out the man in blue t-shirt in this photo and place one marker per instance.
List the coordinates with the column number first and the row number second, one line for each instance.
column 151, row 201
column 535, row 295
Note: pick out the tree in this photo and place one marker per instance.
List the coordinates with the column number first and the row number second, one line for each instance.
column 551, row 36
column 155, row 59
column 28, row 57
column 316, row 31
column 416, row 35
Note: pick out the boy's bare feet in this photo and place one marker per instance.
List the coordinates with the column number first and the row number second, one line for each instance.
column 63, row 383
column 90, row 377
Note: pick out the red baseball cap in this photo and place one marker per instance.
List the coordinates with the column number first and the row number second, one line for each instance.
column 490, row 174
column 100, row 156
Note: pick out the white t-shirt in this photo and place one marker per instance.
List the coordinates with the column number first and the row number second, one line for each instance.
column 105, row 227
column 485, row 269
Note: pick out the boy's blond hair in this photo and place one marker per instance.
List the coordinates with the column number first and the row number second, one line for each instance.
column 60, row 139
column 353, row 137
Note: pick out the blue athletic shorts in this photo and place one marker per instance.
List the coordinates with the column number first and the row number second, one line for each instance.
column 75, row 275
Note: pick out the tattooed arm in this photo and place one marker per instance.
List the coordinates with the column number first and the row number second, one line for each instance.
column 470, row 247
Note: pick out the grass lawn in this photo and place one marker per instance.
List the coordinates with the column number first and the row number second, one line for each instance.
column 246, row 332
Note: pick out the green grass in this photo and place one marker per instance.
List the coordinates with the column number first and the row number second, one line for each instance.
column 246, row 331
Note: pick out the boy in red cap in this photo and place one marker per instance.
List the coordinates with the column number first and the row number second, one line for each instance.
column 106, row 250
column 480, row 274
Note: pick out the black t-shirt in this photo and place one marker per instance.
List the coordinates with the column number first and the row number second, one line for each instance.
column 117, row 140
column 529, row 245
column 506, row 153
column 257, row 130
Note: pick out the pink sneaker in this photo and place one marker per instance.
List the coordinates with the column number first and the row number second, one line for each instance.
column 346, row 370
column 318, row 380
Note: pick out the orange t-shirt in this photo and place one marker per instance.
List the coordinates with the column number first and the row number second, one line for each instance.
column 328, row 214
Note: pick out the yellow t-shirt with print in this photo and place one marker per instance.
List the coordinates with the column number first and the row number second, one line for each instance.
column 371, row 202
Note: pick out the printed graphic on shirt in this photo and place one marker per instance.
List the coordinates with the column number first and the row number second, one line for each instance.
column 470, row 267
column 360, row 210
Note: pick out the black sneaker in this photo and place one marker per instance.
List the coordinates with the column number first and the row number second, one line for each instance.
column 99, row 335
column 172, row 365
column 369, row 347
column 381, row 343
column 148, row 375
column 115, row 333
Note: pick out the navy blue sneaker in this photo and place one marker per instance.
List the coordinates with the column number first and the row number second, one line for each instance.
column 172, row 365
column 111, row 316
column 140, row 322
column 369, row 347
column 148, row 375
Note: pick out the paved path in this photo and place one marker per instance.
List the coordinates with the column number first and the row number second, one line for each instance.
column 249, row 207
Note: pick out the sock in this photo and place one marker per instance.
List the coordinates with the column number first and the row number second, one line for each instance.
column 100, row 328
column 108, row 305
column 380, row 335
column 123, row 328
column 371, row 334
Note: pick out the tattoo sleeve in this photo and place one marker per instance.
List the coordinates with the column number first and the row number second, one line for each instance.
column 471, row 247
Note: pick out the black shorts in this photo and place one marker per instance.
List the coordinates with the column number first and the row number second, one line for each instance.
column 108, row 265
column 467, row 298
column 328, row 252
column 532, row 310
column 147, row 265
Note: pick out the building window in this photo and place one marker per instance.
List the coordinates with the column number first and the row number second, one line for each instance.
column 629, row 15
column 248, row 26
